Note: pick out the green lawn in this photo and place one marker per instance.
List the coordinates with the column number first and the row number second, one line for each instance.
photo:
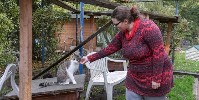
column 183, row 88
column 183, row 85
column 185, row 65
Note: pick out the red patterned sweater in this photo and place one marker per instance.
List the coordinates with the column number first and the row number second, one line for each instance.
column 148, row 61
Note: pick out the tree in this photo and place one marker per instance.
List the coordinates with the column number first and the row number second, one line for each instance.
column 6, row 27
column 45, row 24
column 189, row 11
column 46, row 19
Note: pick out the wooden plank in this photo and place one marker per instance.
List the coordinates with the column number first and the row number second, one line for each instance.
column 53, row 91
column 101, row 3
column 25, row 65
column 73, row 95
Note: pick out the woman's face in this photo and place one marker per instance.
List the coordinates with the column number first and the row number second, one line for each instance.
column 121, row 25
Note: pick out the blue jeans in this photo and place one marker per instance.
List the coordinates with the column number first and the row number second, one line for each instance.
column 133, row 96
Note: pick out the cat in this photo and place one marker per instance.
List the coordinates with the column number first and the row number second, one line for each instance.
column 65, row 72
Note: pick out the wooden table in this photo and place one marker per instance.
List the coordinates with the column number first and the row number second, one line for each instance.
column 55, row 92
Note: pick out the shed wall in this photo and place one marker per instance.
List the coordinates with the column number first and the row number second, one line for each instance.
column 67, row 36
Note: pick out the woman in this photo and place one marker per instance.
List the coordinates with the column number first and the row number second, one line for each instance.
column 150, row 71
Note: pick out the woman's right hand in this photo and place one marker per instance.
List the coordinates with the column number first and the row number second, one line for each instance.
column 83, row 60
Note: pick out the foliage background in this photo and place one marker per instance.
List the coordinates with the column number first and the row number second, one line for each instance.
column 46, row 21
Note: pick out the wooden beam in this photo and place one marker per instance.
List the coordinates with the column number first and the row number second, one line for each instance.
column 169, row 29
column 25, row 64
column 75, row 11
column 101, row 3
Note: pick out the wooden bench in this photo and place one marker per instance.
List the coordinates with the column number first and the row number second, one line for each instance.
column 54, row 92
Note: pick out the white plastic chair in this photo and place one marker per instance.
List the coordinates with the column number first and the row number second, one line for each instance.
column 100, row 75
column 10, row 73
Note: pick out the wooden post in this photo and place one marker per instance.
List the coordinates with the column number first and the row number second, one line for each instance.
column 167, row 46
column 25, row 65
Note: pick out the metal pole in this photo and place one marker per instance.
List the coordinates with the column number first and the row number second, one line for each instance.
column 76, row 26
column 173, row 39
column 81, row 33
column 43, row 40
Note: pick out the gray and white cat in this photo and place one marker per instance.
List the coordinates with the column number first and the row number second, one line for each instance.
column 65, row 72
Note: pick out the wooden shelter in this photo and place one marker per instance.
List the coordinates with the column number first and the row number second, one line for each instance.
column 25, row 68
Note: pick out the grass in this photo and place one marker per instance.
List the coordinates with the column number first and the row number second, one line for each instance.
column 183, row 85
column 183, row 88
column 180, row 63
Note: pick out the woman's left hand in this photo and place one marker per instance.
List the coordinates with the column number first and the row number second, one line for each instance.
column 155, row 85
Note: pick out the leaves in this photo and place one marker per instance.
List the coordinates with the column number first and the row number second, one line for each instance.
column 189, row 11
column 6, row 27
column 45, row 24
